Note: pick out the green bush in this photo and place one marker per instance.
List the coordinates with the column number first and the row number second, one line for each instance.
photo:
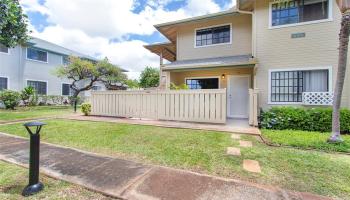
column 10, row 98
column 86, row 108
column 314, row 119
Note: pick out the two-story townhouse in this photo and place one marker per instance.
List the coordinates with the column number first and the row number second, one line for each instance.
column 288, row 52
column 34, row 65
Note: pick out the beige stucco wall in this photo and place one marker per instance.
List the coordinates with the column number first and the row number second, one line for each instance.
column 178, row 78
column 276, row 50
column 241, row 39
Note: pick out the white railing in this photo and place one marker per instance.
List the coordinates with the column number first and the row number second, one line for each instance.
column 318, row 98
column 182, row 105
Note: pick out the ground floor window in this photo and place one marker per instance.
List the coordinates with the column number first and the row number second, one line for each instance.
column 3, row 83
column 202, row 83
column 39, row 86
column 66, row 90
column 288, row 86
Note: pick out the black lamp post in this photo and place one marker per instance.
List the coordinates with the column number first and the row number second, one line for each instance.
column 34, row 185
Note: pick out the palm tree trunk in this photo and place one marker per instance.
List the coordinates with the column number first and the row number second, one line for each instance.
column 342, row 62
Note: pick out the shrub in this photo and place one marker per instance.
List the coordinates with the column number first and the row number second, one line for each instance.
column 10, row 98
column 86, row 108
column 26, row 94
column 315, row 119
column 173, row 86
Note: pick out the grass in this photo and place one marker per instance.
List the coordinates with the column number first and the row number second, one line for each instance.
column 13, row 179
column 203, row 151
column 306, row 140
column 33, row 112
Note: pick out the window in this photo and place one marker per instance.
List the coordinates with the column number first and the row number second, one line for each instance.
column 214, row 35
column 35, row 54
column 3, row 49
column 3, row 83
column 65, row 60
column 96, row 88
column 288, row 86
column 39, row 86
column 296, row 11
column 202, row 83
column 66, row 90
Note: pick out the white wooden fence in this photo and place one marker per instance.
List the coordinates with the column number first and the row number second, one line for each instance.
column 178, row 105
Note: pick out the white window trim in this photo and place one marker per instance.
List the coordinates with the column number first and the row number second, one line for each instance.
column 204, row 77
column 211, row 45
column 47, row 84
column 330, row 18
column 8, row 81
column 62, row 88
column 47, row 55
column 330, row 81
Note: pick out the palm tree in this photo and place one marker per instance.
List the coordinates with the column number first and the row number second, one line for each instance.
column 344, row 6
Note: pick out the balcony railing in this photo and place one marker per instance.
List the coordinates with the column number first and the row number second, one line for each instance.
column 318, row 98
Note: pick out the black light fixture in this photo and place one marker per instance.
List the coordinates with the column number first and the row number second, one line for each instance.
column 223, row 76
column 34, row 185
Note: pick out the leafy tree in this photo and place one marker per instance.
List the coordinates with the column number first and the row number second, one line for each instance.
column 344, row 6
column 149, row 77
column 132, row 83
column 85, row 73
column 13, row 23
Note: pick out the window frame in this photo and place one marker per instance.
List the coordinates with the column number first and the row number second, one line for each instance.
column 330, row 17
column 8, row 51
column 35, row 80
column 330, row 81
column 214, row 26
column 69, row 89
column 8, row 81
column 204, row 77
column 47, row 55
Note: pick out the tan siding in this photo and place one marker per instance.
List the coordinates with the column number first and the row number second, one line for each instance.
column 241, row 42
column 276, row 49
column 179, row 77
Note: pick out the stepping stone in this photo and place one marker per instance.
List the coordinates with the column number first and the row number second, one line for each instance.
column 251, row 166
column 233, row 151
column 243, row 143
column 236, row 136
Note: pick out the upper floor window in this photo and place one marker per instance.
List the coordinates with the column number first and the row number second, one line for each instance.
column 296, row 11
column 4, row 49
column 65, row 60
column 37, row 55
column 3, row 83
column 288, row 86
column 39, row 86
column 213, row 35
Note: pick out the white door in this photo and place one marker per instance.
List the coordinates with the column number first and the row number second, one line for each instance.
column 238, row 96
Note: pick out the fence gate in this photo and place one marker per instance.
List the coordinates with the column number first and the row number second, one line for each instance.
column 178, row 105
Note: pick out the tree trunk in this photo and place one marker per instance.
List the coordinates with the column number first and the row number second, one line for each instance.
column 75, row 99
column 342, row 62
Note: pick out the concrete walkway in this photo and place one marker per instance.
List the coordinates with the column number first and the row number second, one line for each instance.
column 130, row 180
column 232, row 125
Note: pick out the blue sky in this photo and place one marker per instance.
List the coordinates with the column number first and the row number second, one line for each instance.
column 116, row 29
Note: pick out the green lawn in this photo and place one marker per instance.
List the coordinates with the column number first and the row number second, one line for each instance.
column 203, row 151
column 33, row 112
column 305, row 140
column 13, row 179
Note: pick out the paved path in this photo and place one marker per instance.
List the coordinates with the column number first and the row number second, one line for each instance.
column 131, row 180
column 235, row 126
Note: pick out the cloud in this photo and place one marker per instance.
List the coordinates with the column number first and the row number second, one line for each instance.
column 88, row 26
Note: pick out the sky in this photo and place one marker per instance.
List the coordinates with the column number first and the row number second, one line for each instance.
column 116, row 29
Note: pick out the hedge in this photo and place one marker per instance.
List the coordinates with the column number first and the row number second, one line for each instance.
column 314, row 119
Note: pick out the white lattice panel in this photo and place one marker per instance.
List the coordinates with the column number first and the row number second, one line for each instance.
column 318, row 98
